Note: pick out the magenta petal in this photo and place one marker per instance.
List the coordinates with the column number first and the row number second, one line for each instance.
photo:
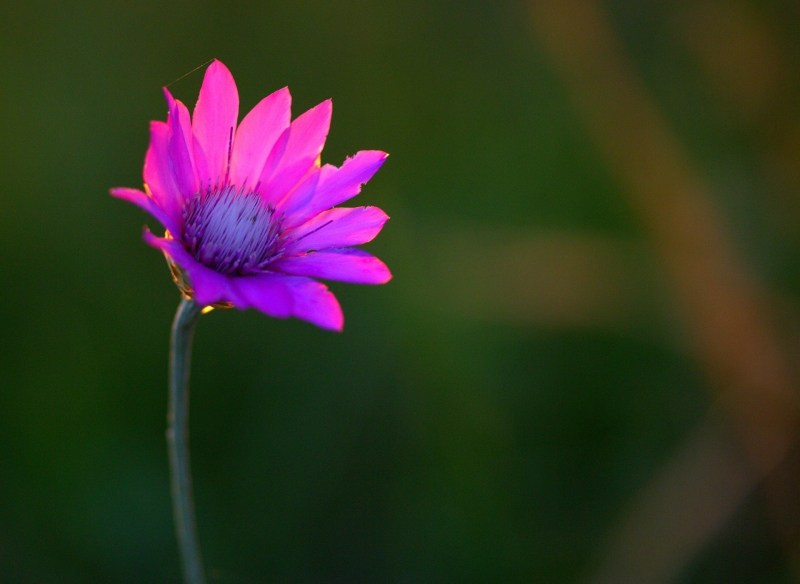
column 273, row 160
column 300, row 196
column 338, row 185
column 141, row 200
column 201, row 167
column 214, row 121
column 180, row 144
column 345, row 265
column 158, row 175
column 308, row 133
column 209, row 287
column 282, row 296
column 305, row 142
column 338, row 227
column 257, row 135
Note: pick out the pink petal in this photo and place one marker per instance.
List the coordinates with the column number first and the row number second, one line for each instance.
column 209, row 286
column 270, row 166
column 306, row 139
column 214, row 121
column 201, row 167
column 180, row 146
column 158, row 175
column 282, row 296
column 296, row 200
column 141, row 200
column 337, row 185
column 257, row 135
column 338, row 227
column 346, row 265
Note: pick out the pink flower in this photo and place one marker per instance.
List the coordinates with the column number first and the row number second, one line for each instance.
column 250, row 213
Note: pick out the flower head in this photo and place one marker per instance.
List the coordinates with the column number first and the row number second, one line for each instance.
column 250, row 212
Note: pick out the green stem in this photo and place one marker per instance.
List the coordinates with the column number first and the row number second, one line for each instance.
column 178, row 440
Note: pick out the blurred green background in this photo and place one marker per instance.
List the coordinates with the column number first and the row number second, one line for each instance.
column 584, row 369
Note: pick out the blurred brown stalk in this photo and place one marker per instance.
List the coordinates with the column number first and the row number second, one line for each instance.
column 723, row 307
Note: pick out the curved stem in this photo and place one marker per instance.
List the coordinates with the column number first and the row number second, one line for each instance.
column 180, row 356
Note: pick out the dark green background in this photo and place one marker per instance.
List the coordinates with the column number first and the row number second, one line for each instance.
column 460, row 429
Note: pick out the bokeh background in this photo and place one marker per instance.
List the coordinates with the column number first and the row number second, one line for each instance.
column 584, row 370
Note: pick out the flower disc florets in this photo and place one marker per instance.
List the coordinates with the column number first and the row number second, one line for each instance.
column 251, row 215
column 231, row 231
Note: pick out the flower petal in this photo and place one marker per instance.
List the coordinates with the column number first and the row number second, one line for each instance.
column 345, row 265
column 208, row 286
column 256, row 136
column 337, row 185
column 141, row 200
column 305, row 142
column 158, row 175
column 338, row 227
column 283, row 296
column 180, row 146
column 201, row 167
column 296, row 200
column 214, row 121
column 273, row 160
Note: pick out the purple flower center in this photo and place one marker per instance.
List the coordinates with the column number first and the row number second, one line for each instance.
column 230, row 230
